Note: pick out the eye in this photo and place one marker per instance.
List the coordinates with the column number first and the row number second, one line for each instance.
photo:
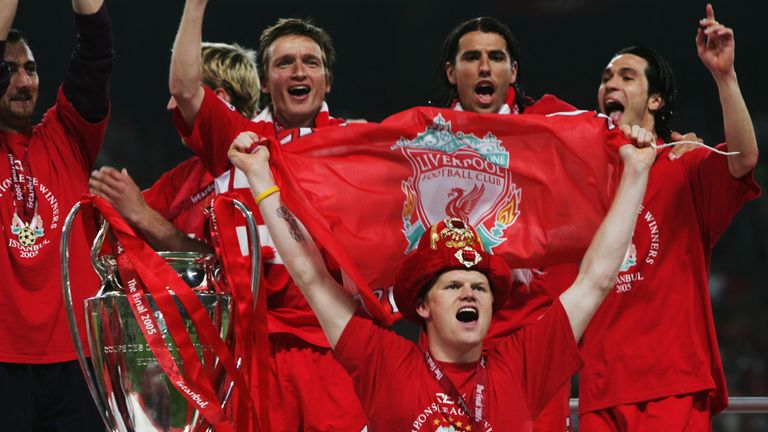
column 498, row 57
column 31, row 69
column 453, row 286
column 471, row 56
column 480, row 288
column 627, row 78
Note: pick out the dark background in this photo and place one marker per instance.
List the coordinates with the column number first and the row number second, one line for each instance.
column 387, row 56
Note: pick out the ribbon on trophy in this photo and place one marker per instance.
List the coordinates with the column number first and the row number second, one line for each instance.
column 237, row 271
column 142, row 271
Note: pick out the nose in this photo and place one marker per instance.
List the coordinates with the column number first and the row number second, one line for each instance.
column 171, row 104
column 467, row 292
column 484, row 65
column 21, row 78
column 299, row 71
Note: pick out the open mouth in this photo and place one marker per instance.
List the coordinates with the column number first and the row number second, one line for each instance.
column 298, row 91
column 484, row 91
column 467, row 314
column 614, row 110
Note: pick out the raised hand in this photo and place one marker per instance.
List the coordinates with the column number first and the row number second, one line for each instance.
column 119, row 189
column 715, row 45
column 251, row 157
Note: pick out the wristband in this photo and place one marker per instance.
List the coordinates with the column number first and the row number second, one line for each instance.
column 267, row 192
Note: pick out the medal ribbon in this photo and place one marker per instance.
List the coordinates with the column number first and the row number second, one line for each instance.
column 190, row 201
column 23, row 186
column 481, row 381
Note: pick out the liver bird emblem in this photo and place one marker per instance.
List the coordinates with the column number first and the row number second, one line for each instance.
column 461, row 205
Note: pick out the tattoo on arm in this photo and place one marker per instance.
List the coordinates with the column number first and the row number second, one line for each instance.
column 293, row 224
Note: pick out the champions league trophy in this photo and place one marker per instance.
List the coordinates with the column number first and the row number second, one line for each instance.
column 130, row 388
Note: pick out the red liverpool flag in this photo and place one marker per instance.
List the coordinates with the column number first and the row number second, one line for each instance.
column 535, row 187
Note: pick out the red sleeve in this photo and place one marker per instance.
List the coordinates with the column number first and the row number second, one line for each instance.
column 371, row 354
column 216, row 125
column 544, row 354
column 718, row 195
column 88, row 136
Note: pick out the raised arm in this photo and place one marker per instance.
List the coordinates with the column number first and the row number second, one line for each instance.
column 86, row 7
column 598, row 270
column 7, row 14
column 119, row 189
column 330, row 302
column 186, row 64
column 716, row 48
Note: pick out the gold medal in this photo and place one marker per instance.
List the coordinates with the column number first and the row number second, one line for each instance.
column 27, row 236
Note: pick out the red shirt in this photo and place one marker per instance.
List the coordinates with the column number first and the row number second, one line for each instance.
column 181, row 195
column 215, row 127
column 62, row 150
column 400, row 393
column 654, row 335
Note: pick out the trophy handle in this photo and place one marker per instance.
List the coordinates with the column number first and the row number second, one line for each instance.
column 98, row 265
column 90, row 379
column 253, row 237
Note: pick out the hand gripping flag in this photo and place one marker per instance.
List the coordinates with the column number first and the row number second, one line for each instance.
column 535, row 187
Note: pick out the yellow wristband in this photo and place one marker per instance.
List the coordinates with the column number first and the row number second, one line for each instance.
column 267, row 192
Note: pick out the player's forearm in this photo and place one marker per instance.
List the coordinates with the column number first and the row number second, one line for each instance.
column 330, row 302
column 186, row 69
column 600, row 266
column 164, row 236
column 737, row 125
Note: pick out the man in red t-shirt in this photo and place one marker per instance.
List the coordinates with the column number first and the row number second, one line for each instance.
column 479, row 72
column 665, row 373
column 43, row 172
column 451, row 287
column 170, row 213
column 308, row 389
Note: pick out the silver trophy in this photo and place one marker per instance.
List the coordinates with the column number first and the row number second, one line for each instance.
column 131, row 391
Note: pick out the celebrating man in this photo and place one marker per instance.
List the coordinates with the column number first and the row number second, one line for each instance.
column 44, row 172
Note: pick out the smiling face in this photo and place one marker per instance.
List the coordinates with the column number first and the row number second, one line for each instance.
column 623, row 93
column 296, row 80
column 457, row 310
column 482, row 71
column 18, row 103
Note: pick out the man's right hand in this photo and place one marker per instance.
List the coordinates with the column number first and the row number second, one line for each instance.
column 119, row 189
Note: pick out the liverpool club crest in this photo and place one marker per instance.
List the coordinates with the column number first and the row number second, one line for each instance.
column 458, row 175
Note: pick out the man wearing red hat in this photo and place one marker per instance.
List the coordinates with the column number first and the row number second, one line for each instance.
column 451, row 286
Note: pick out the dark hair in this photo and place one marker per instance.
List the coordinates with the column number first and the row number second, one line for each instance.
column 444, row 91
column 294, row 27
column 15, row 36
column 661, row 81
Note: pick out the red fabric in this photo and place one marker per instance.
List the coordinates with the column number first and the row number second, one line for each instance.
column 179, row 196
column 398, row 391
column 654, row 335
column 215, row 127
column 316, row 398
column 542, row 208
column 673, row 414
column 33, row 326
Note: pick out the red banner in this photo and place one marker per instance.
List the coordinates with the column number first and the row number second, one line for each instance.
column 535, row 187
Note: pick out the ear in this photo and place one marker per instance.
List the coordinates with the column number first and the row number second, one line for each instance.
column 514, row 73
column 450, row 72
column 655, row 102
column 222, row 94
column 423, row 310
